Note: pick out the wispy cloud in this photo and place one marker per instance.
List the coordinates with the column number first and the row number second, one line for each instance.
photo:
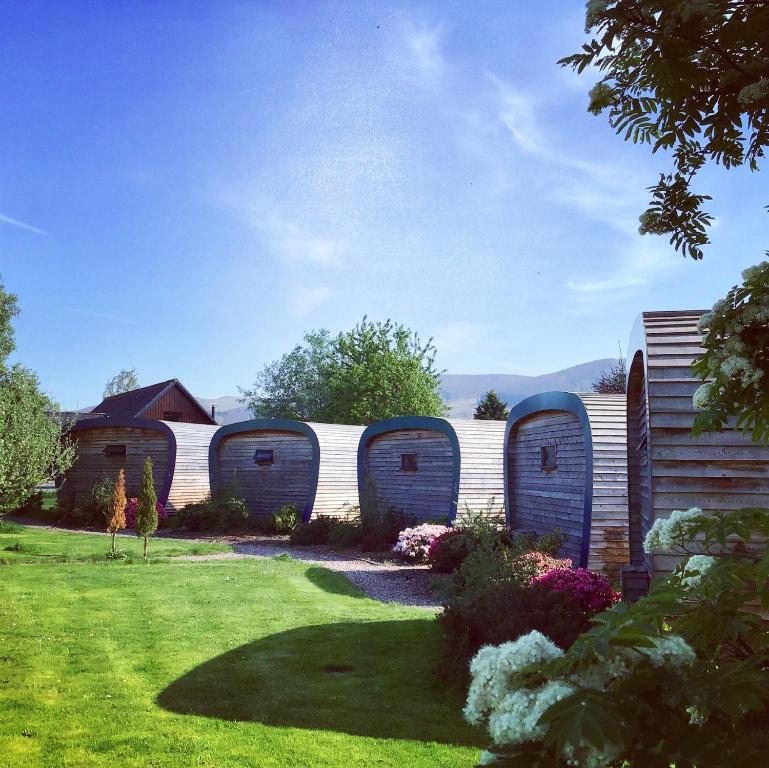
column 99, row 315
column 22, row 225
column 293, row 243
column 459, row 336
column 423, row 45
column 303, row 300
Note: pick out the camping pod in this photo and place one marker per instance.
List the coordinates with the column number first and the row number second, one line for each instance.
column 566, row 468
column 432, row 468
column 669, row 468
column 179, row 453
column 275, row 462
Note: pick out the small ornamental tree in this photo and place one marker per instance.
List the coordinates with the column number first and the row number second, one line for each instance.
column 146, row 509
column 491, row 408
column 116, row 515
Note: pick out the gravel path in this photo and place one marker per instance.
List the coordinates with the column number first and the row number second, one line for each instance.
column 381, row 579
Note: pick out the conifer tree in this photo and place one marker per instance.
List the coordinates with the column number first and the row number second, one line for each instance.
column 116, row 516
column 491, row 408
column 147, row 508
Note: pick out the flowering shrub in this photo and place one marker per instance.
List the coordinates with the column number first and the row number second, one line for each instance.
column 588, row 589
column 735, row 365
column 414, row 543
column 447, row 551
column 681, row 677
column 132, row 506
column 529, row 566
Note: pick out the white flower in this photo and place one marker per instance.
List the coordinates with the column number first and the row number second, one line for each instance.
column 669, row 650
column 493, row 666
column 487, row 758
column 702, row 396
column 665, row 533
column 515, row 720
column 700, row 563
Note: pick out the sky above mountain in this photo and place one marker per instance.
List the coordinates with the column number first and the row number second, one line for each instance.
column 188, row 187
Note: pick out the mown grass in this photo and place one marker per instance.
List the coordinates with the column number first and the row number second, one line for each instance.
column 218, row 663
column 28, row 544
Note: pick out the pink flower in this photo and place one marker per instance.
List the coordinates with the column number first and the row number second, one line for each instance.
column 588, row 588
column 132, row 506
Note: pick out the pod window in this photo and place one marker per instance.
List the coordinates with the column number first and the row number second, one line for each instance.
column 547, row 457
column 114, row 449
column 408, row 462
column 264, row 457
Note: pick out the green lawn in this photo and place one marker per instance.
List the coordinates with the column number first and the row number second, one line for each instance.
column 230, row 663
column 25, row 544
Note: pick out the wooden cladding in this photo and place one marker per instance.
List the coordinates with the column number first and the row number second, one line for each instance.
column 669, row 468
column 274, row 462
column 458, row 464
column 566, row 468
column 179, row 453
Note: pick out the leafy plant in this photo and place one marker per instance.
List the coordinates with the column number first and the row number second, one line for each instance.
column 380, row 522
column 146, row 509
column 285, row 519
column 315, row 531
column 689, row 78
column 345, row 534
column 589, row 591
column 735, row 364
column 221, row 510
column 116, row 515
column 680, row 677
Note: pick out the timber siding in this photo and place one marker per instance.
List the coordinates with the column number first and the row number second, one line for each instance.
column 312, row 465
column 179, row 454
column 669, row 468
column 458, row 464
column 585, row 494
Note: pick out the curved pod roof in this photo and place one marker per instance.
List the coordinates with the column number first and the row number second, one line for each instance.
column 333, row 481
column 186, row 476
column 476, row 456
column 603, row 544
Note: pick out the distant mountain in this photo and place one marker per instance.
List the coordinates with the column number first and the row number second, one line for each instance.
column 462, row 391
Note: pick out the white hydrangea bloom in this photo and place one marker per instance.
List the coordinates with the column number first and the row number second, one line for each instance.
column 670, row 650
column 487, row 758
column 493, row 666
column 514, row 721
column 702, row 395
column 665, row 533
column 700, row 563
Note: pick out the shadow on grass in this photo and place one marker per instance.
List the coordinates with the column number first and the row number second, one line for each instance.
column 366, row 679
column 332, row 582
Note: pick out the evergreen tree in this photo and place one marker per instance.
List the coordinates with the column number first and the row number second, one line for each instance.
column 491, row 408
column 147, row 508
column 612, row 382
column 116, row 516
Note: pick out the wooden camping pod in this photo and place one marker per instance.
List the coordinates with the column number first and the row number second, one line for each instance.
column 433, row 468
column 669, row 468
column 565, row 467
column 274, row 462
column 179, row 453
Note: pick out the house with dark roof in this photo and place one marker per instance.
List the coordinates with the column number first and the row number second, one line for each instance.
column 165, row 401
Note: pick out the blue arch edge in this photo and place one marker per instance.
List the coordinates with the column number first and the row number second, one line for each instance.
column 283, row 425
column 557, row 401
column 136, row 423
column 432, row 423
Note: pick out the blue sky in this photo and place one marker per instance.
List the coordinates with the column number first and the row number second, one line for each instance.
column 186, row 188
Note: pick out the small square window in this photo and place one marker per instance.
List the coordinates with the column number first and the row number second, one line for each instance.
column 547, row 457
column 114, row 450
column 172, row 415
column 408, row 462
column 263, row 457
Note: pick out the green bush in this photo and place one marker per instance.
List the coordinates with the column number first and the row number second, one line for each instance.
column 503, row 611
column 221, row 510
column 316, row 531
column 285, row 519
column 345, row 534
column 92, row 511
column 380, row 522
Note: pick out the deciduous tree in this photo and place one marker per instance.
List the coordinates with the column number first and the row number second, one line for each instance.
column 116, row 516
column 125, row 381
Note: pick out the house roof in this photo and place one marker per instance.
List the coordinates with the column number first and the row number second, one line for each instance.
column 136, row 402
